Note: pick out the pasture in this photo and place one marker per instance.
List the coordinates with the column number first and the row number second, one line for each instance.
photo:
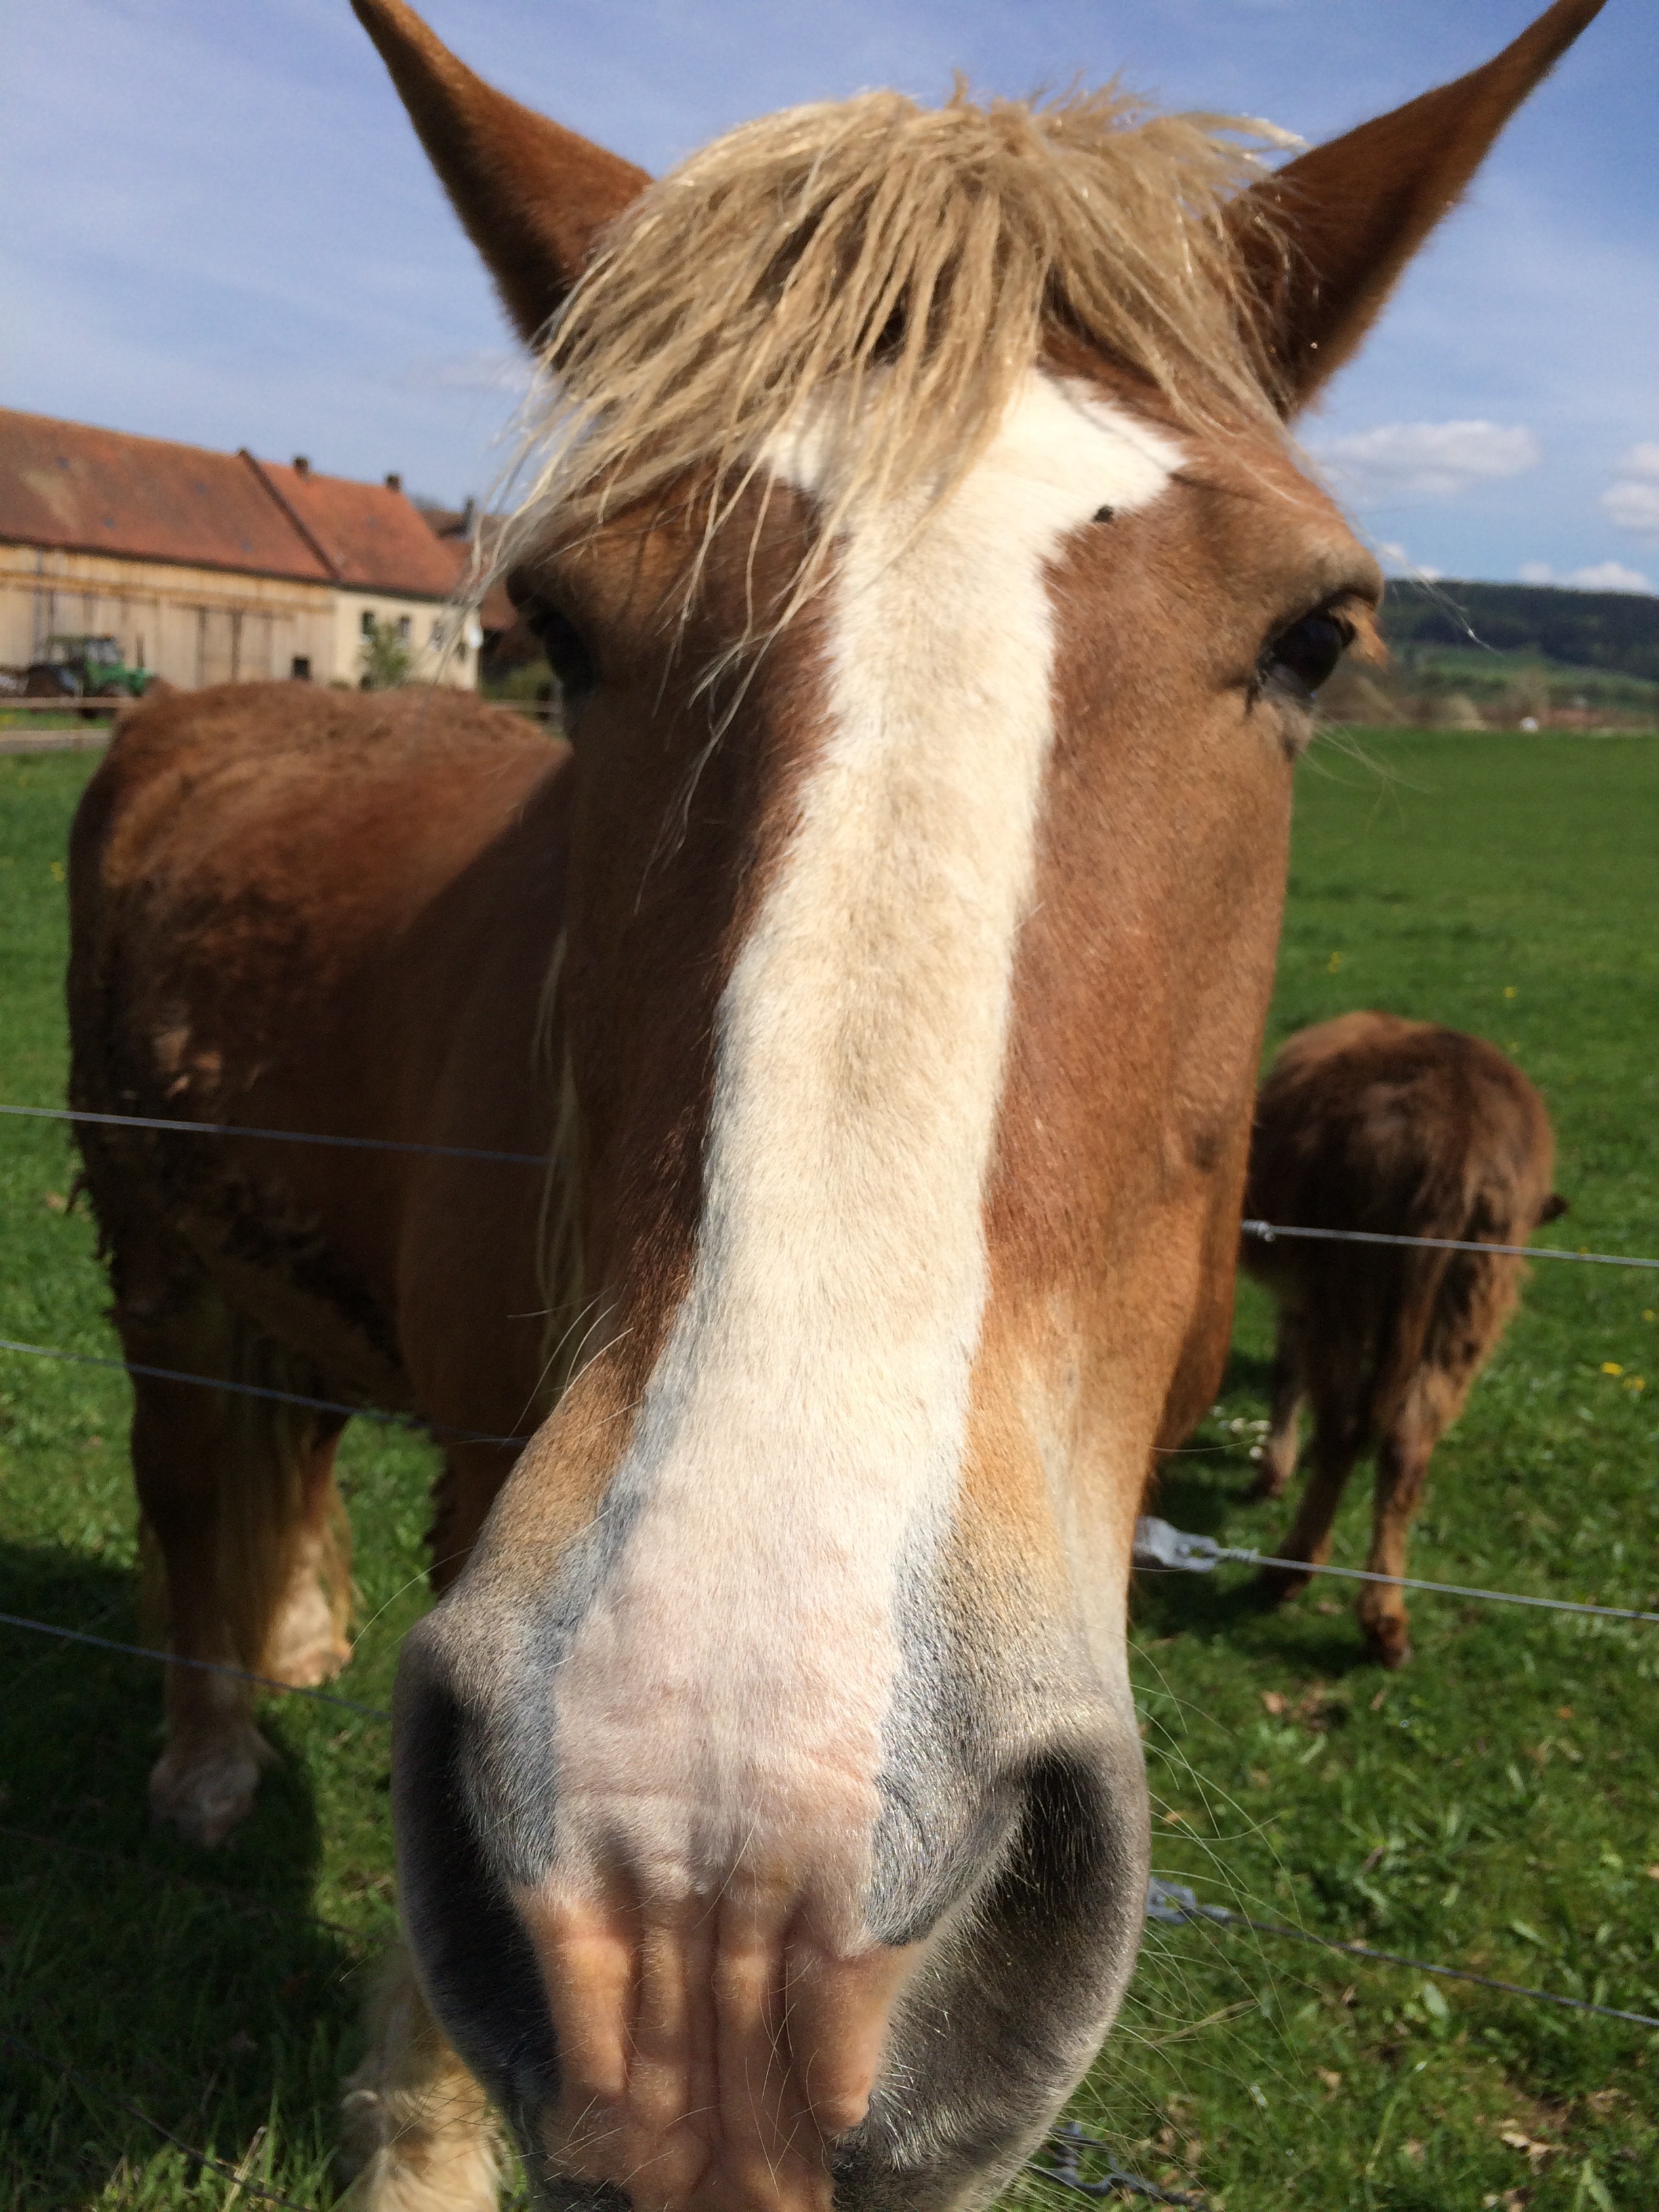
column 1491, row 1807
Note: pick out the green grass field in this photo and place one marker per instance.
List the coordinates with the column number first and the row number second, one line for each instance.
column 1491, row 1807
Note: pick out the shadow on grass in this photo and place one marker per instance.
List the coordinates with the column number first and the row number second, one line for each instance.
column 191, row 1985
column 1235, row 1610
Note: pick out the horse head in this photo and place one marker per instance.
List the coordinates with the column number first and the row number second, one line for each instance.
column 940, row 606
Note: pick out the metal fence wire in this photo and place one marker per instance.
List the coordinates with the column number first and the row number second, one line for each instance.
column 1159, row 1548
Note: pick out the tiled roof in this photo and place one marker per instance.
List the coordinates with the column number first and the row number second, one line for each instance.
column 81, row 490
column 372, row 539
column 67, row 485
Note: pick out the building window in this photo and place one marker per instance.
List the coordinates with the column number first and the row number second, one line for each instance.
column 301, row 671
column 439, row 630
column 402, row 630
column 368, row 623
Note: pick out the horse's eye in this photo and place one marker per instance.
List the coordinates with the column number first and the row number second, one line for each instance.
column 1299, row 658
column 566, row 649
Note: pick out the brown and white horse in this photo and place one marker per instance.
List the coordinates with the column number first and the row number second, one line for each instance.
column 1406, row 1129
column 939, row 607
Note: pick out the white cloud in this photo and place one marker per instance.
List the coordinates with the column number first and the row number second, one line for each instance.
column 1401, row 462
column 1631, row 500
column 1604, row 576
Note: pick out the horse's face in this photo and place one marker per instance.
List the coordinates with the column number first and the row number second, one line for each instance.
column 913, row 1027
column 769, row 1798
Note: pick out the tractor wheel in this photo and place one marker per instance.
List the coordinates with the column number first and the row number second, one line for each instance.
column 43, row 681
column 112, row 691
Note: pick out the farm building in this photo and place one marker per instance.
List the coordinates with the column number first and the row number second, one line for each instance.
column 209, row 566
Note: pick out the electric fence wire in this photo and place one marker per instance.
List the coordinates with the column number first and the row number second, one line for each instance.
column 201, row 1666
column 411, row 1421
column 1270, row 1231
column 186, row 1128
column 1161, row 1549
column 1266, row 1231
column 1158, row 1547
column 1069, row 2143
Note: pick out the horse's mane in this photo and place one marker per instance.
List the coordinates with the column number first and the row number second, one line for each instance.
column 888, row 272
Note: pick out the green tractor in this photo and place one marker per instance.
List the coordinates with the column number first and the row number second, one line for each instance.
column 84, row 668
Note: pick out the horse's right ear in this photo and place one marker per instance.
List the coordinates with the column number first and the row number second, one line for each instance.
column 1343, row 220
column 533, row 196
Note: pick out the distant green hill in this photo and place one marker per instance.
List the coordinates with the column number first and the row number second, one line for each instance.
column 1618, row 631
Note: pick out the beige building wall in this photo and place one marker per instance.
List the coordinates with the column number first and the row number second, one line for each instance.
column 198, row 626
column 194, row 626
column 445, row 644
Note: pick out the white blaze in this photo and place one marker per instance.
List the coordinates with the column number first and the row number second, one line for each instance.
column 800, row 1439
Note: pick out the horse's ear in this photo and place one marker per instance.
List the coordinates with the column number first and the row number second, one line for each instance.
column 533, row 196
column 1345, row 219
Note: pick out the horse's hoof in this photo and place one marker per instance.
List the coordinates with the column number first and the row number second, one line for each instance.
column 1274, row 1584
column 203, row 1785
column 1390, row 1644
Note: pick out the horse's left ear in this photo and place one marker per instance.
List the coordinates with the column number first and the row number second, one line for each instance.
column 533, row 196
column 1349, row 216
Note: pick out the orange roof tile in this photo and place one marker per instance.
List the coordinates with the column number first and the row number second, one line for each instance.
column 372, row 538
column 68, row 485
column 87, row 490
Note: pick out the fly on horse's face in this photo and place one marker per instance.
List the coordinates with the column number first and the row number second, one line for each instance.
column 770, row 1806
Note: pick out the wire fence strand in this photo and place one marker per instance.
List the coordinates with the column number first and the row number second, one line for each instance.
column 1070, row 2142
column 1269, row 1232
column 1161, row 1549
column 1266, row 1231
column 414, row 1422
column 1158, row 1547
column 1173, row 1902
column 186, row 1128
column 200, row 1666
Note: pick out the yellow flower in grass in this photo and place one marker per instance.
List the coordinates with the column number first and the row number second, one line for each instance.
column 1611, row 1367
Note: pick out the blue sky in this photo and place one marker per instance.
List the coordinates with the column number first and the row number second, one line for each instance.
column 221, row 228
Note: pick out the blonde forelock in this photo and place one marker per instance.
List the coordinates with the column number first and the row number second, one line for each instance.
column 887, row 272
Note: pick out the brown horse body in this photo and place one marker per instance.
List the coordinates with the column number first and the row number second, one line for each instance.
column 939, row 607
column 1402, row 1129
column 273, row 888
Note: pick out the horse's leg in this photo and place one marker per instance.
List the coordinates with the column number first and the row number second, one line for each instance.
column 1431, row 1402
column 1338, row 1438
column 1290, row 1390
column 1402, row 1463
column 242, row 1518
column 417, row 2125
column 308, row 1642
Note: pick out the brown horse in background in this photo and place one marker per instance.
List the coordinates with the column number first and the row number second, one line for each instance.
column 939, row 607
column 1404, row 1129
